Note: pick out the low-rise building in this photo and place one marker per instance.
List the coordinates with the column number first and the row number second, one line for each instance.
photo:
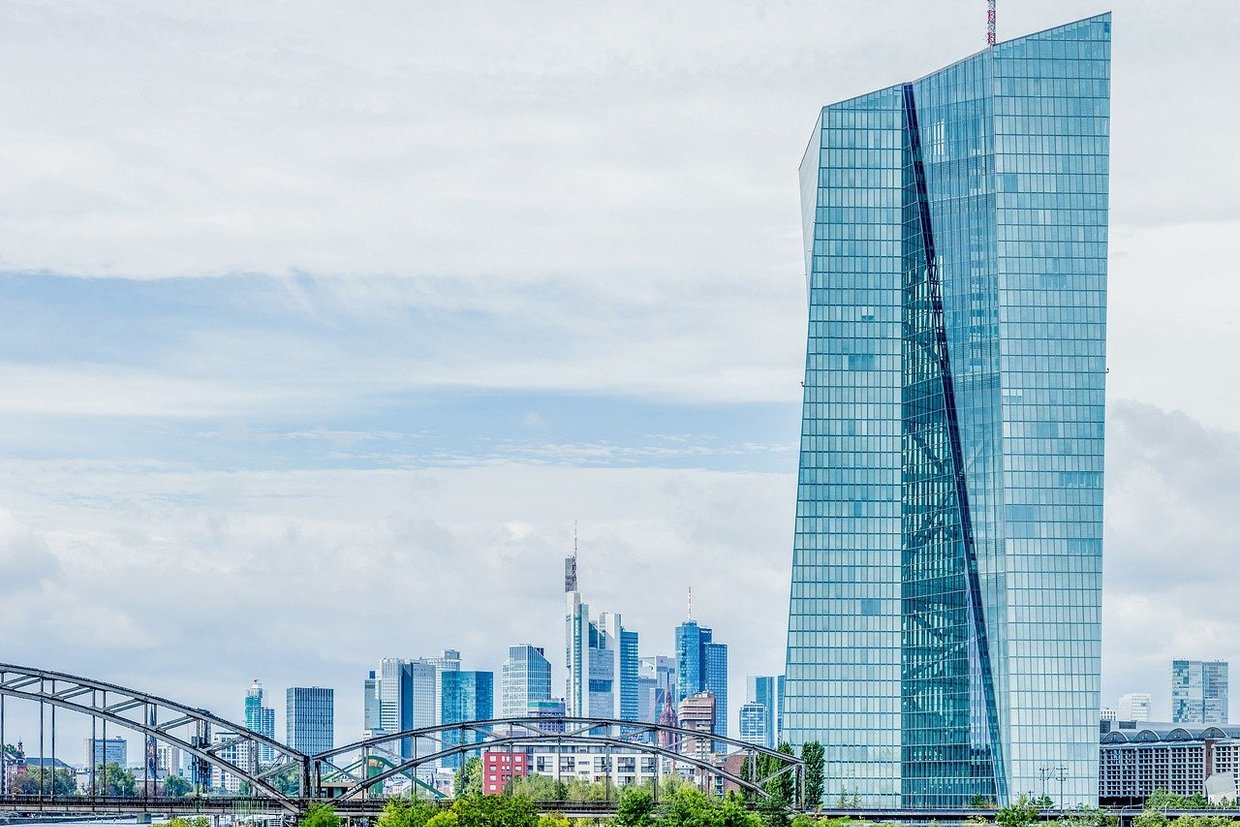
column 595, row 764
column 499, row 767
column 1139, row 757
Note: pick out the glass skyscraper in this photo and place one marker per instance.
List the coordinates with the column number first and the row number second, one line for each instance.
column 310, row 718
column 944, row 622
column 703, row 667
column 261, row 719
column 467, row 696
column 526, row 680
column 1198, row 692
column 768, row 691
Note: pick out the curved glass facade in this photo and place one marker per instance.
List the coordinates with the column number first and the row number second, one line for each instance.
column 944, row 622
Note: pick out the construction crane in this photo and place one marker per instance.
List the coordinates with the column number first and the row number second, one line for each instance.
column 990, row 22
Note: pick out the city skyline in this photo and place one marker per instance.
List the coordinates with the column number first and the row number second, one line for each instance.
column 260, row 358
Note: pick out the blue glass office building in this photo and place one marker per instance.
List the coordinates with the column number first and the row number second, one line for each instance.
column 944, row 623
column 467, row 696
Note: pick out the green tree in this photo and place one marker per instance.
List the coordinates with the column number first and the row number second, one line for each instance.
column 444, row 818
column 688, row 807
column 776, row 808
column 493, row 811
column 1163, row 800
column 552, row 820
column 115, row 781
column 468, row 779
column 175, row 786
column 1087, row 817
column 812, row 754
column 406, row 812
column 320, row 815
column 734, row 813
column 539, row 788
column 1020, row 813
column 635, row 808
column 192, row 821
column 1150, row 818
column 36, row 780
column 578, row 789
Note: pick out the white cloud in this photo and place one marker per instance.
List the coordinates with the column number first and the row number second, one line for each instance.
column 192, row 583
column 1172, row 487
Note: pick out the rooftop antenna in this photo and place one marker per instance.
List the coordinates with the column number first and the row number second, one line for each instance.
column 691, row 603
column 990, row 22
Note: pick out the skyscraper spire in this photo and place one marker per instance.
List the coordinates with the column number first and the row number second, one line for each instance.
column 690, row 603
column 570, row 566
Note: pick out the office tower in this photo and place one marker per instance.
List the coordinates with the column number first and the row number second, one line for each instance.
column 943, row 634
column 402, row 695
column 1199, row 691
column 600, row 657
column 371, row 704
column 449, row 661
column 630, row 676
column 526, row 679
column 260, row 719
column 168, row 760
column 553, row 708
column 767, row 690
column 1108, row 714
column 100, row 751
column 395, row 689
column 467, row 696
column 697, row 713
column 310, row 718
column 1134, row 706
column 753, row 720
column 659, row 671
column 703, row 667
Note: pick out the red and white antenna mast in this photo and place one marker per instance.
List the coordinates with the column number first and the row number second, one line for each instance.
column 990, row 22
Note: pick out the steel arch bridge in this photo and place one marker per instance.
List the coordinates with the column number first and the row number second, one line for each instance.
column 341, row 775
column 553, row 732
column 158, row 720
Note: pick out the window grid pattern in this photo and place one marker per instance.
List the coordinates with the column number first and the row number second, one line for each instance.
column 1015, row 143
column 843, row 679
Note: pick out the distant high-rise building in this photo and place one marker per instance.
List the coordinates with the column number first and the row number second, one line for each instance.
column 628, row 702
column 260, row 719
column 1134, row 706
column 526, row 679
column 600, row 658
column 371, row 716
column 553, row 708
column 449, row 661
column 100, row 751
column 754, row 729
column 310, row 718
column 1108, row 714
column 467, row 696
column 944, row 627
column 402, row 695
column 658, row 676
column 697, row 713
column 703, row 667
column 768, row 690
column 1199, row 691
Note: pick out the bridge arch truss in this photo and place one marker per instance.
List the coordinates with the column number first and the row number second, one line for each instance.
column 433, row 743
column 209, row 740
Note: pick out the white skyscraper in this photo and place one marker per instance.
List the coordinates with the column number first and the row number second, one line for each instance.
column 1134, row 706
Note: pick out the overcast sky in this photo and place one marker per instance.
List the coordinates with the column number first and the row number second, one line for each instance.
column 321, row 323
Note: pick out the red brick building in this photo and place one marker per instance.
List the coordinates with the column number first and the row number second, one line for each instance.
column 500, row 767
